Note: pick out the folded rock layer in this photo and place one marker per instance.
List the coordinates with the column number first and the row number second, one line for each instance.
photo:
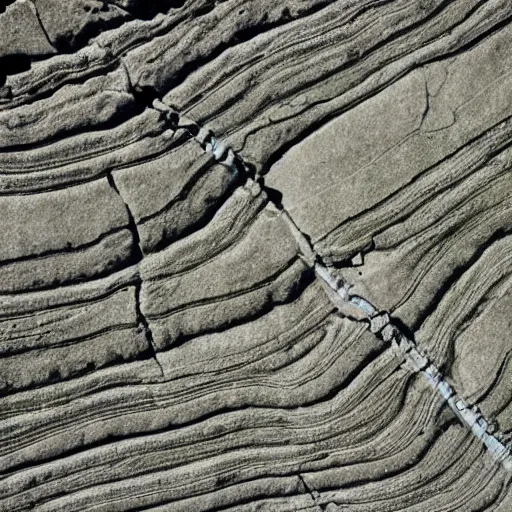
column 255, row 256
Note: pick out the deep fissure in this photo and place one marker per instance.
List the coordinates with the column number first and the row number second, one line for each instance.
column 137, row 255
column 388, row 329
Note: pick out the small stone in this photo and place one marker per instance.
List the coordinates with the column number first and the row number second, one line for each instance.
column 203, row 135
column 388, row 333
column 445, row 390
column 417, row 360
column 357, row 260
column 378, row 322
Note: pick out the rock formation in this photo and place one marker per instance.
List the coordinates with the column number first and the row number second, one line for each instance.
column 256, row 256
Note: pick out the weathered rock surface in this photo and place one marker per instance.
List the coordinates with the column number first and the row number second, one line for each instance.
column 207, row 209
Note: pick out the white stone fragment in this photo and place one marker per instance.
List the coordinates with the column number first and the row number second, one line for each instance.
column 507, row 463
column 363, row 305
column 416, row 360
column 161, row 106
column 378, row 322
column 389, row 333
column 404, row 344
column 343, row 291
column 483, row 423
column 460, row 404
column 211, row 144
column 468, row 416
column 325, row 275
column 451, row 402
column 203, row 134
column 229, row 160
column 219, row 148
column 168, row 134
column 493, row 427
column 358, row 260
column 497, row 449
column 432, row 375
column 478, row 430
column 445, row 390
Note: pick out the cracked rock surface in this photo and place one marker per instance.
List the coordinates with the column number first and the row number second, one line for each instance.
column 256, row 256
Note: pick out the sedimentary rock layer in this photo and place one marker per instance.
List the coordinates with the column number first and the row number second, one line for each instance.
column 208, row 209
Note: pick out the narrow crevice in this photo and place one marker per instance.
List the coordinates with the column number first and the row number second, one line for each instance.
column 137, row 254
column 144, row 96
column 426, row 110
column 391, row 331
column 143, row 321
column 313, row 493
column 132, row 225
column 274, row 195
column 41, row 24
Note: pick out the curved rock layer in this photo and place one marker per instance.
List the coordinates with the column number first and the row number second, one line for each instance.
column 207, row 209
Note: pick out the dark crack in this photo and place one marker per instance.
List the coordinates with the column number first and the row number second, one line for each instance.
column 41, row 24
column 137, row 255
column 389, row 330
column 311, row 491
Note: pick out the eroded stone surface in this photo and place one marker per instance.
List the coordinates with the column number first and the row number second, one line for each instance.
column 172, row 339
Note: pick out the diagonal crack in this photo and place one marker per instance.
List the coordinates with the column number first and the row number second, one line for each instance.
column 43, row 28
column 312, row 492
column 353, row 306
column 132, row 225
column 141, row 318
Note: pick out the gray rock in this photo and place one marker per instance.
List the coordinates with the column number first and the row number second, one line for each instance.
column 255, row 257
column 21, row 32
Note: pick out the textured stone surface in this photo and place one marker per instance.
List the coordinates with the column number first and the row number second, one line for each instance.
column 255, row 256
